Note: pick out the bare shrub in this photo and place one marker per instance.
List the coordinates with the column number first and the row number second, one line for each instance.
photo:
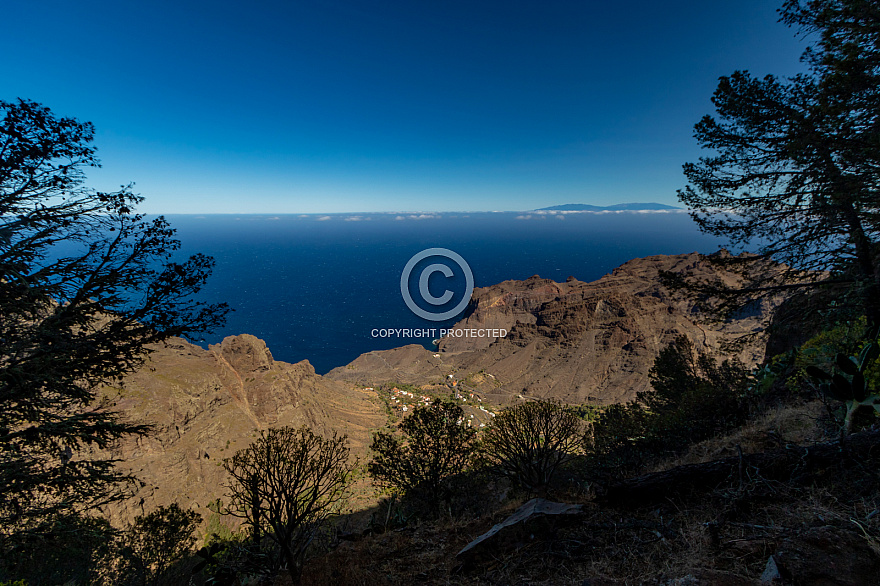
column 529, row 442
column 285, row 485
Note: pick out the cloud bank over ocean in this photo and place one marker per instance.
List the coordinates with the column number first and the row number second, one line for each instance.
column 402, row 216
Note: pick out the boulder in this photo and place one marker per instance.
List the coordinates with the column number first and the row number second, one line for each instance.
column 831, row 556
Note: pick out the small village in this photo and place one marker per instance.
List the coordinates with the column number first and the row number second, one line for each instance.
column 401, row 399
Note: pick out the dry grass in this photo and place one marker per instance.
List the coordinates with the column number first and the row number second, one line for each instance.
column 417, row 554
column 723, row 537
column 773, row 429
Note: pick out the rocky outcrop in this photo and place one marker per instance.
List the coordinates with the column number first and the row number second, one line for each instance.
column 573, row 341
column 203, row 405
column 502, row 306
column 826, row 555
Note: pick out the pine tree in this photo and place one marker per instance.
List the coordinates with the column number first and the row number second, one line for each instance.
column 795, row 163
column 86, row 287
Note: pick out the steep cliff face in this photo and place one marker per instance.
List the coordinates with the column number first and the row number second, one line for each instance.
column 502, row 306
column 206, row 404
column 572, row 341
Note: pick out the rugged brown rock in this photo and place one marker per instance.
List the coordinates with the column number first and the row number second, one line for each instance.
column 206, row 404
column 573, row 341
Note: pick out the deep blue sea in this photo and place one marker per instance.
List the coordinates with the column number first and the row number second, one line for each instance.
column 316, row 286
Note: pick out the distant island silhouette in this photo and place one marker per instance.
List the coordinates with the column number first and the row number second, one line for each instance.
column 584, row 207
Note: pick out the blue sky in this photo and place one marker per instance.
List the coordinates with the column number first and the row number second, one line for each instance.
column 344, row 106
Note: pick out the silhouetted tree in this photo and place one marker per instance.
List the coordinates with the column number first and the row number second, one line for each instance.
column 65, row 551
column 795, row 163
column 436, row 445
column 146, row 553
column 529, row 442
column 693, row 398
column 86, row 286
column 286, row 484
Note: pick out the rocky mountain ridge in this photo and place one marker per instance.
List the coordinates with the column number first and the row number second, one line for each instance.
column 204, row 405
column 573, row 341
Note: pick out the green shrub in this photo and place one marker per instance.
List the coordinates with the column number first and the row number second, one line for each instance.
column 849, row 384
column 693, row 398
column 151, row 549
column 614, row 440
column 63, row 549
column 848, row 338
column 435, row 445
column 216, row 530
